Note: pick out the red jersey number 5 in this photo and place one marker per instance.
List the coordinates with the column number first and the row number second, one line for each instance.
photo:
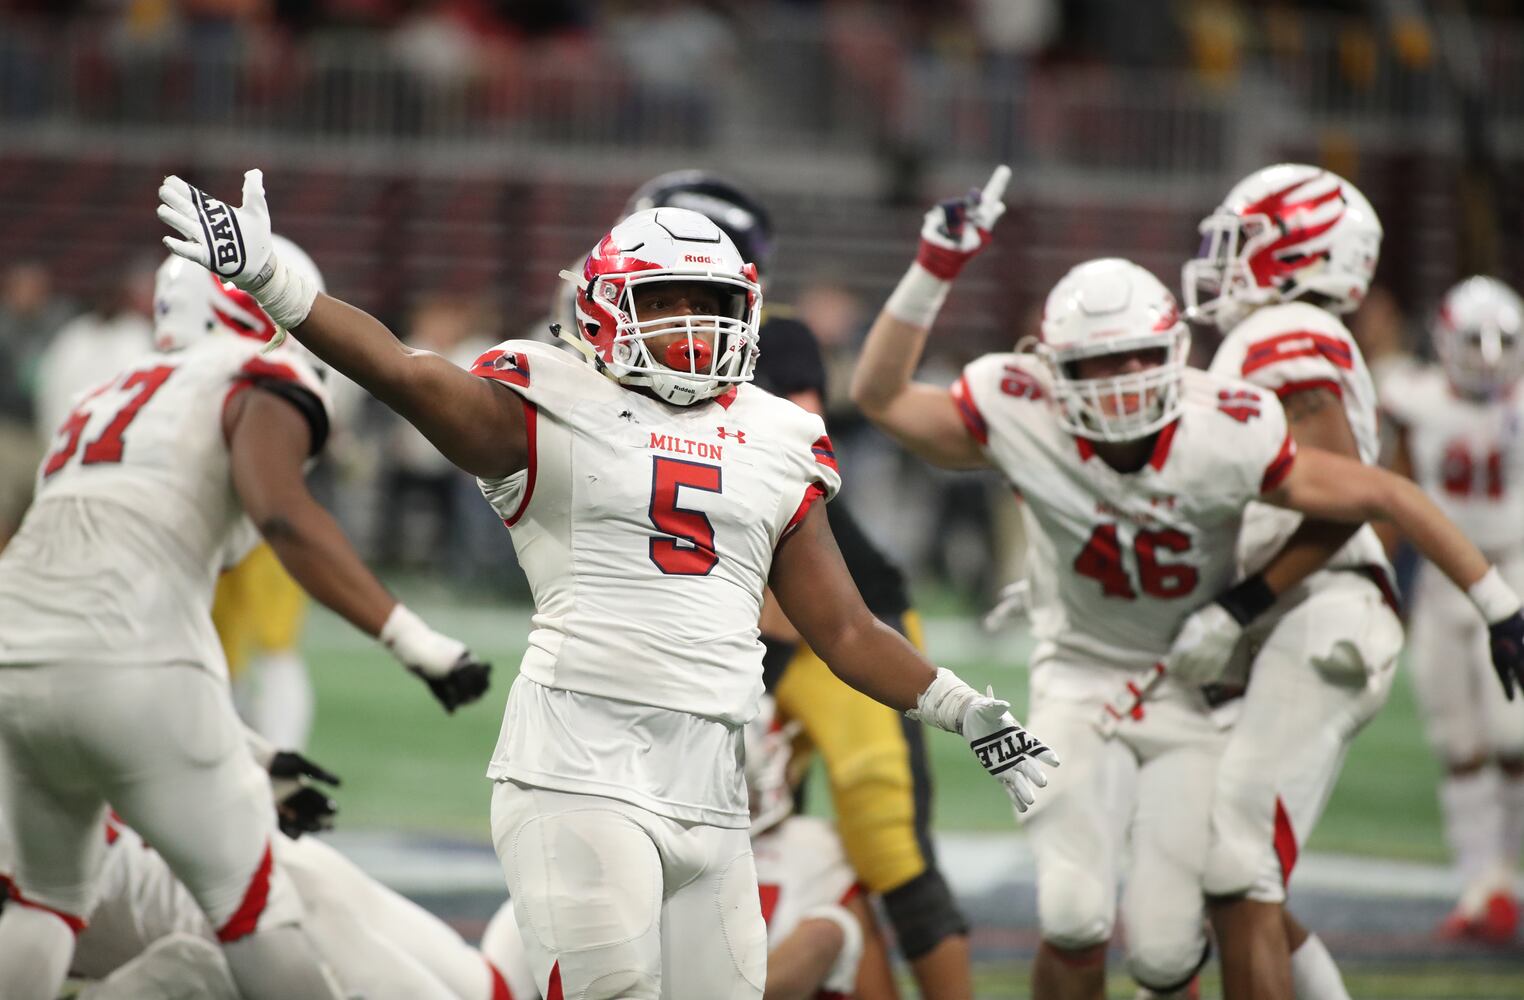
column 686, row 547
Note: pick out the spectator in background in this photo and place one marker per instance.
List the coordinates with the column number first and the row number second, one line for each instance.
column 29, row 313
column 418, row 483
column 94, row 347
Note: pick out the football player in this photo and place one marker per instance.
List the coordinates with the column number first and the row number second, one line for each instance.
column 875, row 758
column 822, row 939
column 1290, row 249
column 148, row 939
column 112, row 685
column 1136, row 472
column 1461, row 436
column 651, row 495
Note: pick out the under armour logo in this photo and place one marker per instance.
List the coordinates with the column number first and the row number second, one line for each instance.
column 740, row 436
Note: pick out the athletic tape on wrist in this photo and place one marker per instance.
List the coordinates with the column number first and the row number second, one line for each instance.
column 287, row 294
column 1493, row 597
column 918, row 297
column 944, row 702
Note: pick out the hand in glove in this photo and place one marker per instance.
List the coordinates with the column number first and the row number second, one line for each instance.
column 300, row 806
column 453, row 674
column 1007, row 751
column 236, row 244
column 957, row 229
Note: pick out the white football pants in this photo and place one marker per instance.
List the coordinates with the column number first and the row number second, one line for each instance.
column 615, row 901
column 1144, row 793
column 161, row 744
column 1320, row 672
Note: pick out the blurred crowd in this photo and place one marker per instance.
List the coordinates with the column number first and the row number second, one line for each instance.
column 665, row 38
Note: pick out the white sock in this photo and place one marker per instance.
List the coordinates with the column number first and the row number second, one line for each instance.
column 282, row 707
column 1472, row 809
column 1314, row 976
column 35, row 950
column 1513, row 820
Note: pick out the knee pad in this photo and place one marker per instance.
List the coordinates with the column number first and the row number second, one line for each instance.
column 924, row 914
column 1168, row 966
column 1074, row 913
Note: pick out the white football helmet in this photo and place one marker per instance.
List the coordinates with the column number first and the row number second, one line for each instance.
column 1113, row 306
column 190, row 302
column 1479, row 336
column 1283, row 232
column 769, row 749
column 678, row 246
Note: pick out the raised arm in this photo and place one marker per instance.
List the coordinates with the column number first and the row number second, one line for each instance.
column 919, row 416
column 474, row 423
column 816, row 592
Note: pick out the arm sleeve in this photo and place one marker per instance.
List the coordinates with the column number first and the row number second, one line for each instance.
column 816, row 466
column 1273, row 449
column 1287, row 363
column 516, row 364
column 297, row 384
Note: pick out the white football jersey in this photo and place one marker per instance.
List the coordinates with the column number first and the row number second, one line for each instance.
column 1467, row 454
column 135, row 511
column 1119, row 560
column 1288, row 348
column 800, row 865
column 647, row 532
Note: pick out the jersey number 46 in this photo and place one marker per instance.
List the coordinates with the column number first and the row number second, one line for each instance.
column 1102, row 560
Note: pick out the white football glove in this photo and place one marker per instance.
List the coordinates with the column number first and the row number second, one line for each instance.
column 1201, row 648
column 1014, row 601
column 453, row 674
column 1006, row 750
column 957, row 229
column 235, row 244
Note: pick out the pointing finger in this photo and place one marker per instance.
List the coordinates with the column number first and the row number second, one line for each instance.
column 994, row 190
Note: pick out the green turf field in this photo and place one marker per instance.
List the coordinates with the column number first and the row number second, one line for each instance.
column 408, row 765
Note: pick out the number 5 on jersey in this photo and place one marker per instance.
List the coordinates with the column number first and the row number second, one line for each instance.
column 1102, row 560
column 109, row 445
column 688, row 546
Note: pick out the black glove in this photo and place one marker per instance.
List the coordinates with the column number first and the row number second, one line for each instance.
column 1507, row 638
column 300, row 806
column 464, row 683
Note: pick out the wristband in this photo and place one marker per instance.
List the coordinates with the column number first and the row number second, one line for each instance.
column 918, row 297
column 286, row 293
column 1248, row 599
column 944, row 702
column 1493, row 597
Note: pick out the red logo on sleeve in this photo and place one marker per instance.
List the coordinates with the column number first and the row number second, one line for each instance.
column 1240, row 404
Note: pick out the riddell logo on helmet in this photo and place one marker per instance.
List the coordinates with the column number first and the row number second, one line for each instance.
column 689, row 258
